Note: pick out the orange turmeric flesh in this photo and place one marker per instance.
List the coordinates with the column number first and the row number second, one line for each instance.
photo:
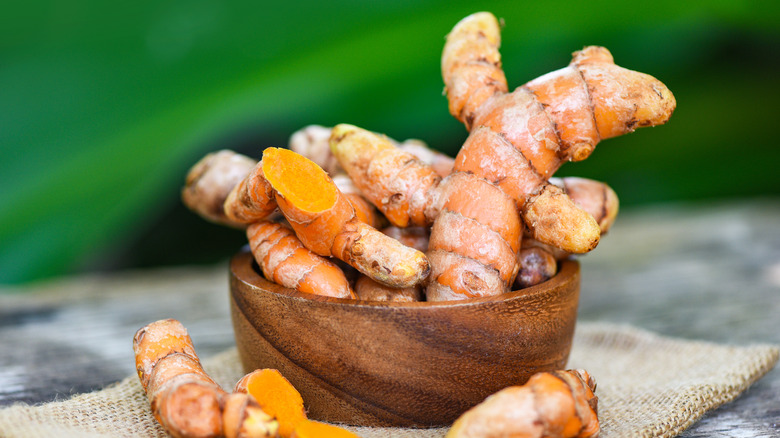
column 326, row 223
column 299, row 180
column 315, row 429
column 276, row 396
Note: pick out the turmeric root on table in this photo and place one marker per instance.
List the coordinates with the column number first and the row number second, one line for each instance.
column 325, row 222
column 184, row 399
column 555, row 404
column 285, row 261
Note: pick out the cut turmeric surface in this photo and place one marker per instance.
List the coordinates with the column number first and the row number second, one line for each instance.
column 276, row 396
column 184, row 399
column 326, row 223
column 209, row 182
column 315, row 429
column 285, row 261
column 536, row 266
column 555, row 404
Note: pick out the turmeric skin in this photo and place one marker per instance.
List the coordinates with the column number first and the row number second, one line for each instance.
column 555, row 404
column 369, row 290
column 209, row 182
column 325, row 222
column 285, row 261
column 312, row 142
column 276, row 396
column 184, row 399
column 518, row 140
column 411, row 193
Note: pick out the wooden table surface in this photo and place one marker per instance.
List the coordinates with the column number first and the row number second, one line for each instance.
column 706, row 271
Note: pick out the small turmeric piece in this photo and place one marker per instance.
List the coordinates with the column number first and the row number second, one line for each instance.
column 276, row 396
column 369, row 290
column 555, row 404
column 209, row 182
column 315, row 429
column 285, row 261
column 184, row 399
column 325, row 222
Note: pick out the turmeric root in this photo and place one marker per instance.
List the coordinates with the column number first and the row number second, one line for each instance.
column 364, row 210
column 481, row 243
column 252, row 199
column 312, row 143
column 595, row 197
column 285, row 261
column 276, row 396
column 538, row 261
column 315, row 429
column 325, row 222
column 369, row 290
column 556, row 404
column 184, row 399
column 413, row 237
column 518, row 140
column 209, row 182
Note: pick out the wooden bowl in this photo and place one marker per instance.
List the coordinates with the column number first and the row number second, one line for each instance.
column 400, row 364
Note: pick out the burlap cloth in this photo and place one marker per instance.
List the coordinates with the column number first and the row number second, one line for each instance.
column 648, row 386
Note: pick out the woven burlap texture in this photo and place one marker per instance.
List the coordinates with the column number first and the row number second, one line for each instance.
column 648, row 386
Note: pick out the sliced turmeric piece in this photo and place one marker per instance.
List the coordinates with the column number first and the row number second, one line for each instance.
column 326, row 223
column 276, row 396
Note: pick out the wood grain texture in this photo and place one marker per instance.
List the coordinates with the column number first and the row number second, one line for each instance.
column 404, row 364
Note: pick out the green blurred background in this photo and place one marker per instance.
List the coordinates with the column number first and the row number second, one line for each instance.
column 105, row 105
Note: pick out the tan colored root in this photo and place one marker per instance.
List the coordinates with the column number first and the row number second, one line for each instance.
column 555, row 404
column 252, row 199
column 595, row 197
column 209, row 182
column 536, row 266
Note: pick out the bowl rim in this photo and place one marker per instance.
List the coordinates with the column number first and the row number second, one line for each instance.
column 242, row 270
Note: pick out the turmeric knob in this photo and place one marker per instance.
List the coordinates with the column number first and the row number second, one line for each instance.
column 555, row 404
